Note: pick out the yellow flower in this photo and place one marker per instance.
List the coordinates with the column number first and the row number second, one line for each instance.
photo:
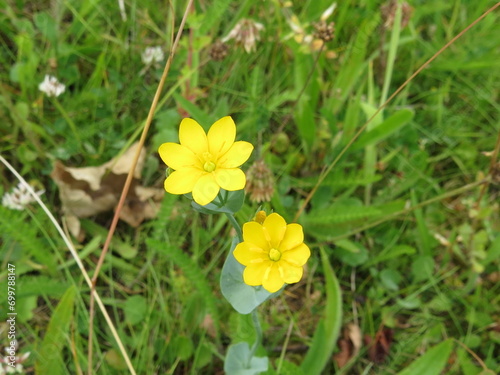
column 204, row 163
column 273, row 253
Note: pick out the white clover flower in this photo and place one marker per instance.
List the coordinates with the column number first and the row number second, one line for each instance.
column 245, row 32
column 51, row 86
column 152, row 55
column 19, row 198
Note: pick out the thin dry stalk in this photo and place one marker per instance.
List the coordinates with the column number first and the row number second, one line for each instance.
column 128, row 181
column 328, row 169
column 77, row 260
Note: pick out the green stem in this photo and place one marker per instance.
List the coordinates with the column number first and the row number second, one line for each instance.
column 235, row 225
column 258, row 335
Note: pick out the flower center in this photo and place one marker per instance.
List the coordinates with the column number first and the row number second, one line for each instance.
column 209, row 166
column 274, row 255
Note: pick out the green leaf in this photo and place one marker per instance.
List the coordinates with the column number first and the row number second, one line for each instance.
column 135, row 309
column 432, row 362
column 183, row 346
column 47, row 26
column 340, row 214
column 244, row 298
column 422, row 268
column 384, row 130
column 238, row 362
column 328, row 329
column 392, row 252
column 493, row 252
column 289, row 368
column 351, row 253
column 49, row 360
column 226, row 202
column 304, row 117
column 390, row 279
column 214, row 13
column 196, row 112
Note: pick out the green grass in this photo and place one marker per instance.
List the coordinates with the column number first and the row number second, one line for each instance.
column 409, row 237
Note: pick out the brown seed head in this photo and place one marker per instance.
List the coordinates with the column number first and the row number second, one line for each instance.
column 260, row 182
column 324, row 31
column 218, row 51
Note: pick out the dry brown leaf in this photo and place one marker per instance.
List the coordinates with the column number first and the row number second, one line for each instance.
column 349, row 344
column 88, row 191
column 354, row 333
column 379, row 347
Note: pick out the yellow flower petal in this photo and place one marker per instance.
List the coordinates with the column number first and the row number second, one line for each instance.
column 248, row 254
column 293, row 237
column 230, row 179
column 205, row 190
column 177, row 156
column 237, row 154
column 254, row 274
column 273, row 281
column 297, row 256
column 182, row 181
column 253, row 233
column 275, row 226
column 221, row 136
column 290, row 273
column 192, row 136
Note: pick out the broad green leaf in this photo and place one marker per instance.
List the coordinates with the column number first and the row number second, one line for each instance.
column 384, row 130
column 183, row 346
column 238, row 362
column 328, row 329
column 135, row 309
column 369, row 110
column 432, row 362
column 390, row 278
column 351, row 253
column 50, row 360
column 47, row 26
column 422, row 268
column 244, row 298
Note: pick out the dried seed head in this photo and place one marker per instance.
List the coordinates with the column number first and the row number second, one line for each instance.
column 324, row 30
column 260, row 182
column 218, row 51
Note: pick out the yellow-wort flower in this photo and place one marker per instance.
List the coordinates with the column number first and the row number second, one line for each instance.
column 204, row 163
column 273, row 253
